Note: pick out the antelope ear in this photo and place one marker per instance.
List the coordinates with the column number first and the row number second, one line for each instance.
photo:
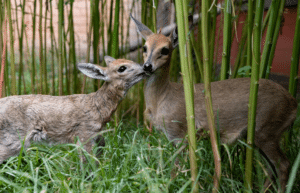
column 93, row 71
column 174, row 37
column 108, row 60
column 141, row 28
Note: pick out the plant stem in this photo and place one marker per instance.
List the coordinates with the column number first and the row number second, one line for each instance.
column 269, row 38
column 257, row 32
column 208, row 99
column 226, row 40
column 295, row 56
column 60, row 46
column 12, row 50
column 188, row 85
column 275, row 37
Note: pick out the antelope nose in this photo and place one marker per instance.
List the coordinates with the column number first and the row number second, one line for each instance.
column 148, row 67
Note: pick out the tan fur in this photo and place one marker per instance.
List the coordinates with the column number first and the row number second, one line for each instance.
column 165, row 105
column 59, row 119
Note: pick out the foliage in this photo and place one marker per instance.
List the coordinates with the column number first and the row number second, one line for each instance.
column 133, row 160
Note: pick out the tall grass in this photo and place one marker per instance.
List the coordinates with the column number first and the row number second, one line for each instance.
column 127, row 164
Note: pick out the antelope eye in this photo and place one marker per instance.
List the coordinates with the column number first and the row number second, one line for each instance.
column 164, row 51
column 144, row 49
column 122, row 69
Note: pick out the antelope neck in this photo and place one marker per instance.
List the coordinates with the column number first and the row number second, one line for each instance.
column 158, row 82
column 107, row 99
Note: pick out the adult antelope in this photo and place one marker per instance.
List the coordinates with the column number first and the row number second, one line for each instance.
column 59, row 119
column 165, row 104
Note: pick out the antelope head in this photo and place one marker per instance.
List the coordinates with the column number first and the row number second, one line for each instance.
column 121, row 73
column 158, row 48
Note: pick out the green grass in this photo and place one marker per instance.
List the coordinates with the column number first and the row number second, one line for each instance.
column 133, row 160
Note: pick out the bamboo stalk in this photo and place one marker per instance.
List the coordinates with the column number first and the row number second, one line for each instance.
column 21, row 49
column 226, row 40
column 188, row 43
column 208, row 99
column 275, row 37
column 269, row 38
column 12, row 50
column 67, row 65
column 72, row 52
column 241, row 50
column 250, row 29
column 33, row 49
column 257, row 32
column 154, row 6
column 213, row 21
column 295, row 56
column 96, row 27
column 52, row 49
column 60, row 45
column 198, row 57
column 115, row 34
column 45, row 80
column 188, row 86
column 109, row 31
column 3, row 58
column 41, row 55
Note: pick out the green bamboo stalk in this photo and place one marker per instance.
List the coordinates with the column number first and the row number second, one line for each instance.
column 213, row 21
column 198, row 56
column 60, row 45
column 52, row 50
column 96, row 27
column 6, row 77
column 208, row 99
column 12, row 50
column 250, row 29
column 226, row 40
column 154, row 6
column 17, row 19
column 72, row 53
column 33, row 48
column 21, row 73
column 241, row 50
column 257, row 33
column 3, row 58
column 188, row 44
column 102, row 28
column 122, row 50
column 45, row 80
column 295, row 56
column 41, row 55
column 109, row 31
column 269, row 38
column 115, row 35
column 67, row 65
column 188, row 86
column 266, row 20
column 275, row 37
column 294, row 69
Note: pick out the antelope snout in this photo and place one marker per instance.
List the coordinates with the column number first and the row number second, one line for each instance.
column 148, row 67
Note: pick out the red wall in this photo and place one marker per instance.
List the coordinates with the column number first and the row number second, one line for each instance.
column 283, row 53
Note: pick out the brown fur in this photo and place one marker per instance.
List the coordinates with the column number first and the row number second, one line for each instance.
column 59, row 119
column 165, row 105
